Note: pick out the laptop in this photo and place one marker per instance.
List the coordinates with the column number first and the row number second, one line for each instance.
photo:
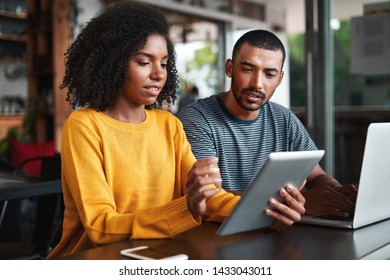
column 373, row 198
column 280, row 169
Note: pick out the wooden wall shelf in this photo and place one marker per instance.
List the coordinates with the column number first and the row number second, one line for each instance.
column 14, row 15
column 13, row 38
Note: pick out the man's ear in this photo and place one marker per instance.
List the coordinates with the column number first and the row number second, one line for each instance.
column 229, row 67
column 281, row 78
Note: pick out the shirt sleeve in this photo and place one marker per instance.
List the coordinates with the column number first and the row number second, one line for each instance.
column 198, row 131
column 300, row 139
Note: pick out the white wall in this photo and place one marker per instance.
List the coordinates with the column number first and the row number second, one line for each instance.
column 15, row 86
column 87, row 10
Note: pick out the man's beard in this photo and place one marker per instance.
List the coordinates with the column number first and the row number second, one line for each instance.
column 243, row 104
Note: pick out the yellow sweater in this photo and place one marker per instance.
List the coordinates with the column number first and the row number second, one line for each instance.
column 123, row 180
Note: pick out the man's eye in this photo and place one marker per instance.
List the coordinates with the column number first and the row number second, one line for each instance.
column 246, row 69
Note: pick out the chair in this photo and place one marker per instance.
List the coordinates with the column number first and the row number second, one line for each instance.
column 50, row 167
column 6, row 166
column 40, row 218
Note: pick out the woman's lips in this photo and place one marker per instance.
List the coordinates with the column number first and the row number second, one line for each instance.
column 153, row 91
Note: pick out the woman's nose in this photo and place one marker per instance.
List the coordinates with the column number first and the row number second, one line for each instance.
column 158, row 73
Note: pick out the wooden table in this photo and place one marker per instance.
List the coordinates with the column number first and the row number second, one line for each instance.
column 299, row 242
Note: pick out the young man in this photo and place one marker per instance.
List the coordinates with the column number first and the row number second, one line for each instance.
column 242, row 126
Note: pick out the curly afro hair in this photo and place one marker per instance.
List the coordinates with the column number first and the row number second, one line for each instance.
column 96, row 63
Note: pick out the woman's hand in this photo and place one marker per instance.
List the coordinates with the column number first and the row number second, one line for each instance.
column 204, row 181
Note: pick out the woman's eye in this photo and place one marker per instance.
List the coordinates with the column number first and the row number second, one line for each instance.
column 143, row 63
column 164, row 65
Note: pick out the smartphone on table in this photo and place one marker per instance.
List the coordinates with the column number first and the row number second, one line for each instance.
column 147, row 253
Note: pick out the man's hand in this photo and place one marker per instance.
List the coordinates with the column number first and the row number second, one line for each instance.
column 290, row 209
column 334, row 201
column 204, row 181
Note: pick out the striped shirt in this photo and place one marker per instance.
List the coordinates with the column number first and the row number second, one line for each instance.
column 241, row 146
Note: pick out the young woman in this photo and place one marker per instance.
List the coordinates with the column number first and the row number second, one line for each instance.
column 127, row 168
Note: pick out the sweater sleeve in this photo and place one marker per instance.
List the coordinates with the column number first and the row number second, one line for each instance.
column 220, row 206
column 92, row 196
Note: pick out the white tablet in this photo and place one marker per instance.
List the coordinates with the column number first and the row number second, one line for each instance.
column 280, row 169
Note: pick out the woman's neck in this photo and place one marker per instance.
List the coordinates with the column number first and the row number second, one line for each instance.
column 130, row 115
